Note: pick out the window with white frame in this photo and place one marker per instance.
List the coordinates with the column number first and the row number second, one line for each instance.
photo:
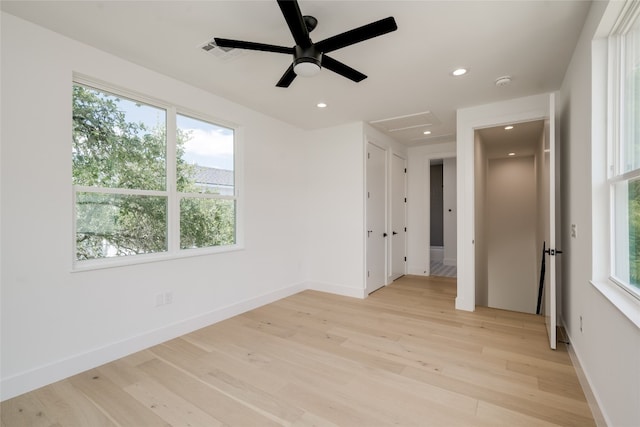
column 148, row 179
column 624, row 148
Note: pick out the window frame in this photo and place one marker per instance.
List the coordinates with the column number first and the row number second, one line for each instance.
column 616, row 170
column 173, row 196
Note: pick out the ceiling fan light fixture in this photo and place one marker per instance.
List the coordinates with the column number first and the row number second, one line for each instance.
column 306, row 67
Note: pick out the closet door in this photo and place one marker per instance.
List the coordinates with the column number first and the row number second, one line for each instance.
column 398, row 217
column 376, row 217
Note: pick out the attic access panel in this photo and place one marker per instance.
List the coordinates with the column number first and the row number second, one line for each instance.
column 410, row 127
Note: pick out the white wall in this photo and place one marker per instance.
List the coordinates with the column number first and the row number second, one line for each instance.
column 56, row 323
column 335, row 173
column 450, row 211
column 418, row 203
column 511, row 221
column 608, row 343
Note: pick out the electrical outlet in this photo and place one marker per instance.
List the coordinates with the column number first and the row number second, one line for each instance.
column 164, row 298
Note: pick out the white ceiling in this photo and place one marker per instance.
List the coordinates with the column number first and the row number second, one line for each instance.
column 408, row 70
column 523, row 140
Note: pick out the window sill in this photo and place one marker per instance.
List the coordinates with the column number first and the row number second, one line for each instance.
column 625, row 303
column 99, row 264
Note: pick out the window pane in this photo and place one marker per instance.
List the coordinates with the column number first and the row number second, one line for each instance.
column 631, row 96
column 627, row 233
column 114, row 225
column 207, row 222
column 205, row 161
column 117, row 143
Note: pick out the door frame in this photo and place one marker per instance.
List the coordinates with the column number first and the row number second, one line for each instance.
column 427, row 213
column 470, row 119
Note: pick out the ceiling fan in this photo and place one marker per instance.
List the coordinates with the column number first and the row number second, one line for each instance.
column 309, row 57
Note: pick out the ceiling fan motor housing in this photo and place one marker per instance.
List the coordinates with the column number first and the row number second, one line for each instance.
column 307, row 61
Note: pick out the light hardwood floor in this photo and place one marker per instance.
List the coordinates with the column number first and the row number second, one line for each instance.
column 403, row 356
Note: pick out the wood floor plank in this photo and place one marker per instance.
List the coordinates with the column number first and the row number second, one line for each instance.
column 403, row 356
column 25, row 410
column 175, row 409
column 68, row 406
column 113, row 401
column 213, row 401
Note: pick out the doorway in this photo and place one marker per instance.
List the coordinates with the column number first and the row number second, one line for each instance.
column 470, row 234
column 442, row 218
column 510, row 194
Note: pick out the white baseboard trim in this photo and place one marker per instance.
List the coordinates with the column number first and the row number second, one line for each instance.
column 592, row 400
column 32, row 379
column 436, row 253
column 417, row 271
column 337, row 289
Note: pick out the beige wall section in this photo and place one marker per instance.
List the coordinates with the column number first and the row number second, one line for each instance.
column 511, row 225
column 480, row 183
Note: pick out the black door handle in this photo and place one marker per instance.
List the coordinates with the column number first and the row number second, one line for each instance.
column 384, row 234
column 552, row 252
column 394, row 233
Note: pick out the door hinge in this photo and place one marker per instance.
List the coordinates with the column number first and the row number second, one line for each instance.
column 405, row 259
column 405, row 200
column 405, row 170
column 367, row 273
column 368, row 155
column 405, row 229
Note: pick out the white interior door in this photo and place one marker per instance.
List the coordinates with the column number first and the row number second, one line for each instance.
column 376, row 217
column 550, row 280
column 398, row 217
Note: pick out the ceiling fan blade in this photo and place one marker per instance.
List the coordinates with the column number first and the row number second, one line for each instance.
column 342, row 69
column 238, row 44
column 287, row 77
column 295, row 22
column 357, row 35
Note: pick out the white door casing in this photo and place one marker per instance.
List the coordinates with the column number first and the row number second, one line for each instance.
column 550, row 279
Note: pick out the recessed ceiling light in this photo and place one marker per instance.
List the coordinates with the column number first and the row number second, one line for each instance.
column 459, row 72
column 512, row 154
column 321, row 105
column 427, row 132
column 508, row 127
